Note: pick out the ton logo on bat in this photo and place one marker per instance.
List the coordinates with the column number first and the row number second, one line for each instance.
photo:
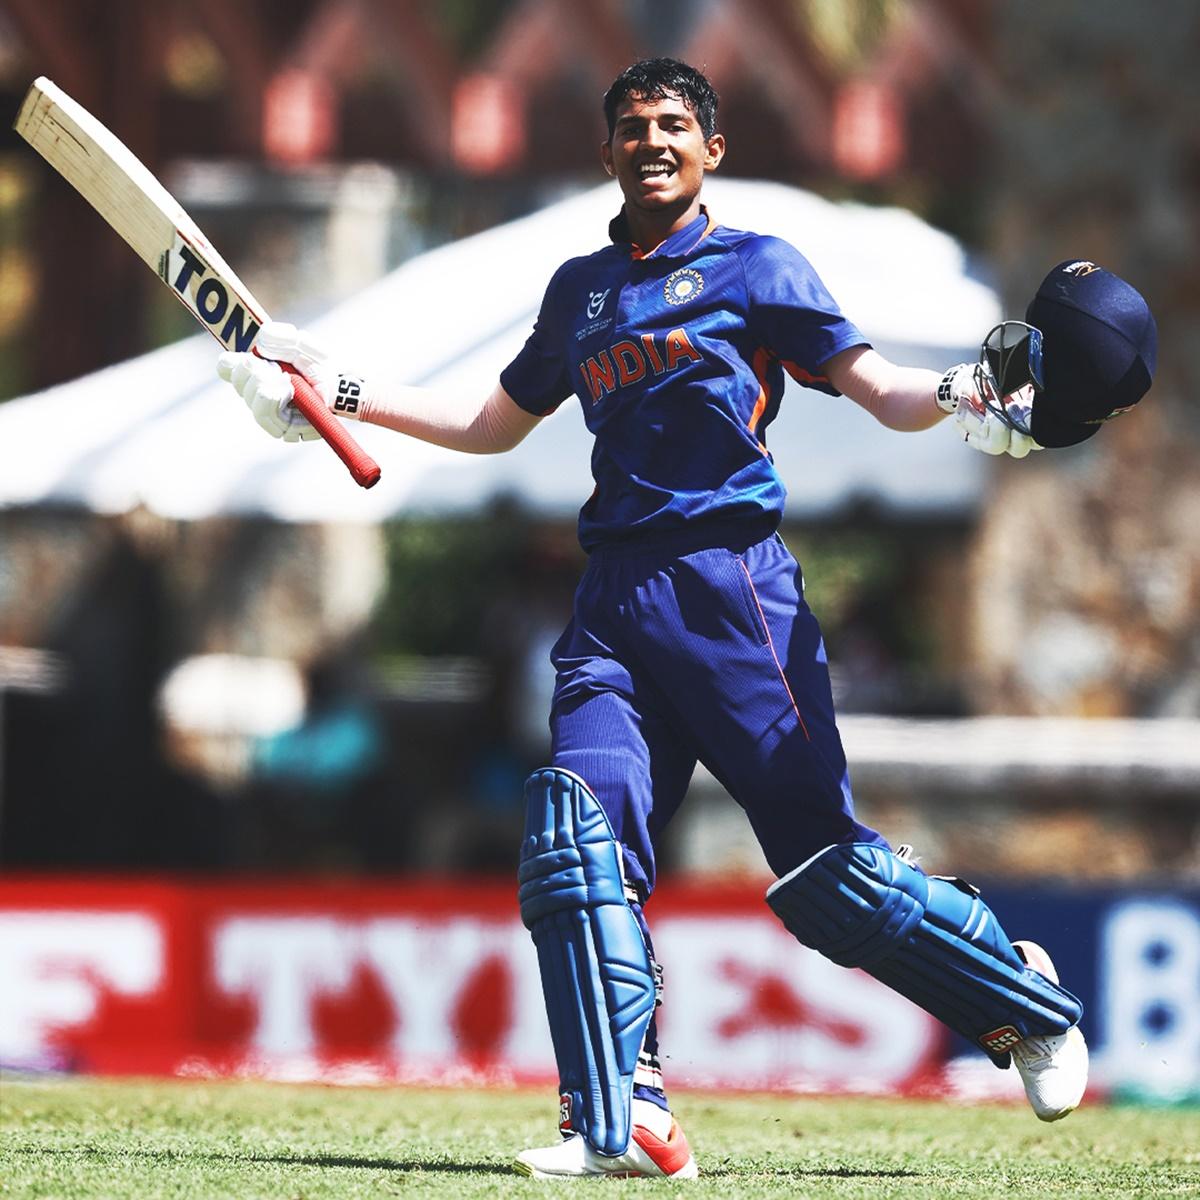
column 206, row 295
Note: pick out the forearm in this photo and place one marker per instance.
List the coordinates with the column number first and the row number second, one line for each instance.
column 458, row 422
column 473, row 424
column 901, row 398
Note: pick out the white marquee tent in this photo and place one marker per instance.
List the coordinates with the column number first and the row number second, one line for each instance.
column 160, row 431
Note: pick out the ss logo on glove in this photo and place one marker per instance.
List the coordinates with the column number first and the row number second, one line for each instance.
column 349, row 390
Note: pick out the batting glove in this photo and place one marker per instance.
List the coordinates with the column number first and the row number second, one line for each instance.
column 267, row 390
column 959, row 394
column 342, row 392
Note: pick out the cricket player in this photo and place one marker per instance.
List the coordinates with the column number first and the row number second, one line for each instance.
column 691, row 640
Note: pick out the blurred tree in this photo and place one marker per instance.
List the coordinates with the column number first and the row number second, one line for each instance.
column 444, row 575
column 876, row 588
column 1088, row 566
column 849, row 32
column 470, row 26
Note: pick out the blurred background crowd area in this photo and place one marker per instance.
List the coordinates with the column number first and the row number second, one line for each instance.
column 1019, row 671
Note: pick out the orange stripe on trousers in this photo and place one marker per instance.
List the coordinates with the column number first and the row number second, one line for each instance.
column 771, row 643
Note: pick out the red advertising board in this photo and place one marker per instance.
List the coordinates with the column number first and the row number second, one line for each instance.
column 433, row 982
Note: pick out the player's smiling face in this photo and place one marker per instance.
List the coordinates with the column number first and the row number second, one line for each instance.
column 659, row 154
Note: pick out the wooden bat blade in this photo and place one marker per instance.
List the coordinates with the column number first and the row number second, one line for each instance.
column 110, row 177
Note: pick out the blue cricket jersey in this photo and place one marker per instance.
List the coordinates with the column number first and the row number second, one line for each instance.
column 678, row 358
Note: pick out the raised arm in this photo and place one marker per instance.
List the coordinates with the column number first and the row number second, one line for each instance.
column 903, row 398
column 459, row 422
column 470, row 423
column 912, row 398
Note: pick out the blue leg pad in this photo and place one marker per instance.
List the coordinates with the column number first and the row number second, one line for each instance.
column 596, row 973
column 930, row 939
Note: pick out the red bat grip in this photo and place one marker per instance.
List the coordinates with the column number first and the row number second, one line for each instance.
column 360, row 464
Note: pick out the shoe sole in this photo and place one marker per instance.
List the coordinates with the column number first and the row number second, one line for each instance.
column 688, row 1171
column 1066, row 1112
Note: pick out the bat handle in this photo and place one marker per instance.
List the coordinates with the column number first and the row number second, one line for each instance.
column 360, row 464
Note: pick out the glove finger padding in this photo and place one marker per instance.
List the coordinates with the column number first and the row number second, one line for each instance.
column 979, row 428
column 989, row 440
column 342, row 394
column 226, row 364
column 982, row 429
column 298, row 429
column 245, row 380
column 1019, row 408
column 1020, row 444
column 266, row 389
column 285, row 343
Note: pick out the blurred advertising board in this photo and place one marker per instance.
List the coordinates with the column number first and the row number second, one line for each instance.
column 436, row 982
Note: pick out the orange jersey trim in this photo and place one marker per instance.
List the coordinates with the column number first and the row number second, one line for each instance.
column 638, row 253
column 800, row 375
column 762, row 358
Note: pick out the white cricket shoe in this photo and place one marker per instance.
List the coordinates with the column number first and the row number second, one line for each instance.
column 1054, row 1068
column 661, row 1154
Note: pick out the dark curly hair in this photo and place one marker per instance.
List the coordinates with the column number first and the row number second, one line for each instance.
column 657, row 78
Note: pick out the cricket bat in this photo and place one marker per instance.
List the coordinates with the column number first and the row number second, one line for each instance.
column 119, row 187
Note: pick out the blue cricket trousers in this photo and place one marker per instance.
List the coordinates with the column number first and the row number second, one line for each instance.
column 698, row 646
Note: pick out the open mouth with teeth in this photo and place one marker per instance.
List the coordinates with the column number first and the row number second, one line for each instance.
column 655, row 170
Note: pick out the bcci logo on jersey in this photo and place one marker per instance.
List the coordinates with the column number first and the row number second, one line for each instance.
column 682, row 286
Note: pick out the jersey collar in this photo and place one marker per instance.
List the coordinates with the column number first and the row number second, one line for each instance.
column 678, row 245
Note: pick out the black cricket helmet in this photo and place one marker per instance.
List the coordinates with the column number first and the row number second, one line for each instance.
column 1085, row 353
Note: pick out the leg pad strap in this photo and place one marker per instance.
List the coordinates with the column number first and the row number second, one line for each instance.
column 931, row 939
column 597, row 977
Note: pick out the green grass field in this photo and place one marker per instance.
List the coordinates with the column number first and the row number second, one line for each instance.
column 84, row 1137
